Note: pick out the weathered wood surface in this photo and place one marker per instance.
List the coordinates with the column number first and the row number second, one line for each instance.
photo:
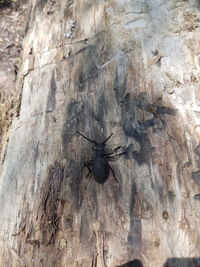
column 127, row 67
column 11, row 37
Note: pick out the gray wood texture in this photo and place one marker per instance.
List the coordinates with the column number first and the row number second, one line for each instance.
column 130, row 68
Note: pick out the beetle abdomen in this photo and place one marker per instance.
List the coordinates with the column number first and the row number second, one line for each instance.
column 100, row 170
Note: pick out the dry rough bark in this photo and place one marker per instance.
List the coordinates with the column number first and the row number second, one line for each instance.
column 127, row 67
column 12, row 19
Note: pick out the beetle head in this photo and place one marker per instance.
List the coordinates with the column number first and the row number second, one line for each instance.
column 99, row 147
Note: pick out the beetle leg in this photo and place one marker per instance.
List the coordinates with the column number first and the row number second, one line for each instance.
column 115, row 150
column 89, row 171
column 113, row 173
column 112, row 158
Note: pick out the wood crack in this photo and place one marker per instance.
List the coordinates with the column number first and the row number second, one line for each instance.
column 100, row 257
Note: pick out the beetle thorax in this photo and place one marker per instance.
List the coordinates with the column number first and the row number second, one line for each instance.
column 99, row 150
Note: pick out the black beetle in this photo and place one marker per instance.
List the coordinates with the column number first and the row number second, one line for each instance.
column 99, row 166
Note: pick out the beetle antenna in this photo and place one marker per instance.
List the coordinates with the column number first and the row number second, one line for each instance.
column 107, row 138
column 87, row 138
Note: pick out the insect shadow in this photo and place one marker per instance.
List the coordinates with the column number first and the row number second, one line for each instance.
column 99, row 166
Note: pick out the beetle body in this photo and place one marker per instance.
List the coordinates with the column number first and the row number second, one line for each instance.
column 99, row 166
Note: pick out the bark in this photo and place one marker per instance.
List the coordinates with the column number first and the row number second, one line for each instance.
column 127, row 67
column 12, row 19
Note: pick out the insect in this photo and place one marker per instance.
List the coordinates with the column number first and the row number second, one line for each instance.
column 99, row 165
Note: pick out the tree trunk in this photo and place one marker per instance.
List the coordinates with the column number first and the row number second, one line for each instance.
column 130, row 68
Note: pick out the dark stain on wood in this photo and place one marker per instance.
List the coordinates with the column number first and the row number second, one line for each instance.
column 73, row 110
column 51, row 211
column 145, row 152
column 75, row 169
column 75, row 119
column 99, row 114
column 120, row 82
column 133, row 199
column 143, row 103
column 196, row 177
column 197, row 197
column 104, row 47
column 164, row 110
column 36, row 153
column 133, row 263
column 42, row 3
column 86, row 69
column 180, row 262
column 197, row 150
column 171, row 195
column 28, row 19
column 136, row 129
column 80, row 79
column 135, row 228
column 51, row 100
